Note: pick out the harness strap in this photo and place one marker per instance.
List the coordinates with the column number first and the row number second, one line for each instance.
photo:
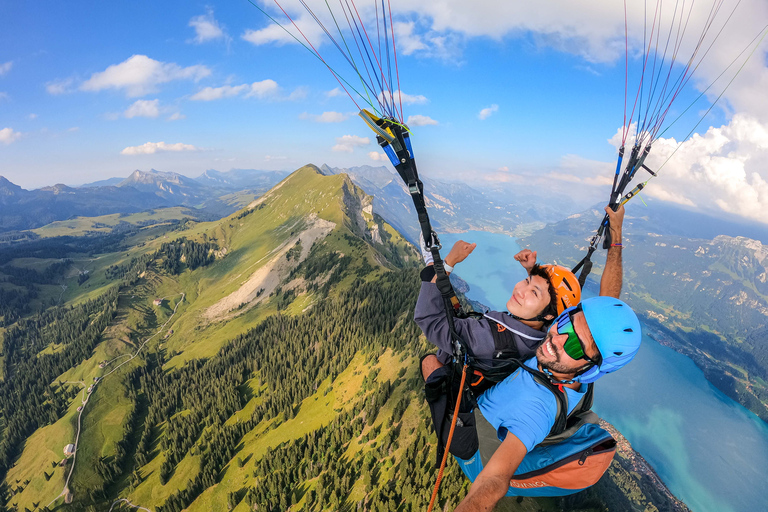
column 395, row 140
column 635, row 162
column 450, row 438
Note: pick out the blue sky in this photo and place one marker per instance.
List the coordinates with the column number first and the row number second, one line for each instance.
column 91, row 90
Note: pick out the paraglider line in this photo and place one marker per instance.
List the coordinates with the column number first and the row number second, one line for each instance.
column 379, row 76
column 397, row 70
column 765, row 32
column 314, row 53
column 369, row 43
column 360, row 51
column 367, row 87
column 718, row 78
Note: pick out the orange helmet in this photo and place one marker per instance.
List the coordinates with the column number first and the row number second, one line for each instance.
column 566, row 286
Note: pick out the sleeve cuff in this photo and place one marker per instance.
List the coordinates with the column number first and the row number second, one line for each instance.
column 428, row 273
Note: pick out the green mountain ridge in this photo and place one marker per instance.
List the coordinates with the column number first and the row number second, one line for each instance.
column 299, row 392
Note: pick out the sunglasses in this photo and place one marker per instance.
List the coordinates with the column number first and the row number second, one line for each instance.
column 573, row 346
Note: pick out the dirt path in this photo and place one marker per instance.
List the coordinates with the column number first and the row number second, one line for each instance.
column 125, row 500
column 65, row 492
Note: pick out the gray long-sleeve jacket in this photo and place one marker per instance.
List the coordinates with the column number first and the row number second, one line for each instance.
column 476, row 332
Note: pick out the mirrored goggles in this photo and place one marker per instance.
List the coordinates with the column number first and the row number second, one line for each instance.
column 573, row 346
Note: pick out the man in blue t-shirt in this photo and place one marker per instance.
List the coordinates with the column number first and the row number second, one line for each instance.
column 598, row 336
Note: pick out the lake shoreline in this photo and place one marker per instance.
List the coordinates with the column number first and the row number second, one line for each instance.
column 637, row 463
column 726, row 383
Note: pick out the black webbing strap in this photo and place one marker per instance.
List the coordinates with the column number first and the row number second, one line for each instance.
column 636, row 162
column 399, row 150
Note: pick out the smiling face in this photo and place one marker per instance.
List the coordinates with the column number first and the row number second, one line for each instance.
column 530, row 297
column 552, row 355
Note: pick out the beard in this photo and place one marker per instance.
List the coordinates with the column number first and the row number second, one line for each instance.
column 546, row 360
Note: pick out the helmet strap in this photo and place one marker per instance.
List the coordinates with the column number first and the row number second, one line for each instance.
column 537, row 318
column 555, row 381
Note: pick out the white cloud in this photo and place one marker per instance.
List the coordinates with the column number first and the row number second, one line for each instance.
column 5, row 67
column 150, row 148
column 333, row 93
column 378, row 156
column 58, row 87
column 32, row 116
column 326, row 117
column 143, row 108
column 424, row 42
column 207, row 28
column 407, row 99
column 140, row 75
column 487, row 112
column 503, row 168
column 593, row 31
column 419, row 120
column 7, row 136
column 298, row 94
column 348, row 143
column 273, row 34
column 176, row 116
column 720, row 170
column 263, row 89
column 407, row 40
column 217, row 93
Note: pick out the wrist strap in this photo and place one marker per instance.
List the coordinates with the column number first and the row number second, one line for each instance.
column 616, row 245
column 447, row 267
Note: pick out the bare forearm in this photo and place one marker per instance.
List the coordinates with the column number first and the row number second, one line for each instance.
column 484, row 494
column 610, row 284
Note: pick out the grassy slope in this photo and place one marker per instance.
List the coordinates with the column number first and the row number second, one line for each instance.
column 102, row 428
column 43, row 448
column 316, row 411
column 107, row 407
column 248, row 242
column 80, row 226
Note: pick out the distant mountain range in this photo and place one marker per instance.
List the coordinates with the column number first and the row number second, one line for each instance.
column 453, row 206
column 22, row 209
column 239, row 179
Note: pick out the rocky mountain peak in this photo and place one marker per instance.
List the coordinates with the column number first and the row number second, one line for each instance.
column 9, row 189
column 760, row 251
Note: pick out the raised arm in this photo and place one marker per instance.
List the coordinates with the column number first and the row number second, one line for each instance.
column 429, row 313
column 493, row 481
column 458, row 253
column 610, row 284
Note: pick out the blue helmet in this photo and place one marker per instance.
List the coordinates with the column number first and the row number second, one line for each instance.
column 616, row 331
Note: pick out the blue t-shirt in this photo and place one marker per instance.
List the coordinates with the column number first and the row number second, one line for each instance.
column 522, row 407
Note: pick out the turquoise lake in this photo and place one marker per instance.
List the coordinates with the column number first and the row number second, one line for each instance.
column 710, row 451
